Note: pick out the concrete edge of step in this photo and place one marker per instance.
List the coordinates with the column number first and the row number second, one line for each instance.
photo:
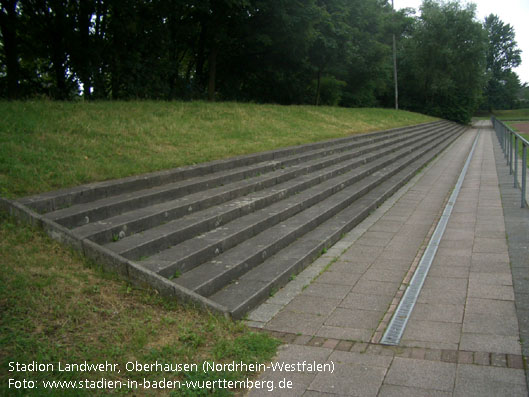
column 49, row 201
column 110, row 261
column 245, row 307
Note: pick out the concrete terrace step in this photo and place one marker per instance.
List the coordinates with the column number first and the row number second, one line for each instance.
column 226, row 233
column 147, row 217
column 55, row 200
column 81, row 214
column 174, row 232
column 213, row 275
column 255, row 286
column 192, row 252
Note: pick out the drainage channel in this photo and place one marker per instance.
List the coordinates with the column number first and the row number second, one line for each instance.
column 402, row 314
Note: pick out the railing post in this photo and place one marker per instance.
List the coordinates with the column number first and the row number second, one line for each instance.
column 524, row 172
column 515, row 162
column 510, row 152
column 505, row 144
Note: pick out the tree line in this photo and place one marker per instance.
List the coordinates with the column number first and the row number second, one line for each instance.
column 332, row 52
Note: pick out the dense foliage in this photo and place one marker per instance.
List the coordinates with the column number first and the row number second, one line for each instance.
column 334, row 52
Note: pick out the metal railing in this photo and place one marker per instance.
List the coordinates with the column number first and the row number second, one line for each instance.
column 509, row 141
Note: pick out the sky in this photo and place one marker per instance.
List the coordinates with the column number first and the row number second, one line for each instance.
column 513, row 12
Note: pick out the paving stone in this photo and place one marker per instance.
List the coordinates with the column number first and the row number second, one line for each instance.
column 496, row 292
column 398, row 391
column 350, row 380
column 515, row 361
column 329, row 291
column 317, row 305
column 464, row 357
column 490, row 343
column 355, row 300
column 353, row 318
column 294, row 322
column 490, row 323
column 431, row 331
column 421, row 374
column 334, row 278
column 376, row 288
column 344, row 345
column 489, row 381
column 346, row 333
column 498, row 360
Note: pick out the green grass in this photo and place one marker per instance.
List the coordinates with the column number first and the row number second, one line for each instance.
column 49, row 145
column 56, row 306
column 516, row 114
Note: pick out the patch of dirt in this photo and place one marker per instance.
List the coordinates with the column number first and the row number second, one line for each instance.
column 522, row 127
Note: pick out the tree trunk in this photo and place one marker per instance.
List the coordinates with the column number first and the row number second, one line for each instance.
column 318, row 88
column 8, row 21
column 212, row 73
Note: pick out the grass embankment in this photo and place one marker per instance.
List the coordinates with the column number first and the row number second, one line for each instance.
column 48, row 145
column 55, row 306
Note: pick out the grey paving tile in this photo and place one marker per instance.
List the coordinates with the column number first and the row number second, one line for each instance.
column 449, row 271
column 366, row 302
column 312, row 304
column 490, row 323
column 490, row 278
column 376, row 274
column 445, row 284
column 340, row 278
column 479, row 258
column 475, row 380
column 438, row 312
column 478, row 305
column 344, row 267
column 490, row 343
column 421, row 374
column 350, row 380
column 271, row 385
column 366, row 359
column 432, row 331
column 499, row 292
column 354, row 318
column 362, row 252
column 455, row 297
column 345, row 333
column 399, row 391
column 450, row 260
column 330, row 291
column 490, row 245
column 296, row 353
column 376, row 288
column 288, row 321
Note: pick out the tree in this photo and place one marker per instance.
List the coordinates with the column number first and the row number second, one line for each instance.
column 10, row 46
column 443, row 62
column 502, row 56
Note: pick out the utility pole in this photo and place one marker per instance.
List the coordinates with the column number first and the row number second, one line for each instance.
column 395, row 66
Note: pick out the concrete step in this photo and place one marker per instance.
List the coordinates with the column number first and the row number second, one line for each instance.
column 226, row 233
column 55, row 200
column 174, row 232
column 128, row 223
column 255, row 285
column 189, row 254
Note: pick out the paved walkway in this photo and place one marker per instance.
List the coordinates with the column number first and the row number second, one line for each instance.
column 463, row 335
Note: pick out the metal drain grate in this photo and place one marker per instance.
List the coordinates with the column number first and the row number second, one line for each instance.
column 398, row 323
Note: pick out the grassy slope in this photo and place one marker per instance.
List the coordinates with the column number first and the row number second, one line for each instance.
column 516, row 114
column 48, row 145
column 54, row 304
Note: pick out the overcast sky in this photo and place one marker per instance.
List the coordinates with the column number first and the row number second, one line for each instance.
column 513, row 12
